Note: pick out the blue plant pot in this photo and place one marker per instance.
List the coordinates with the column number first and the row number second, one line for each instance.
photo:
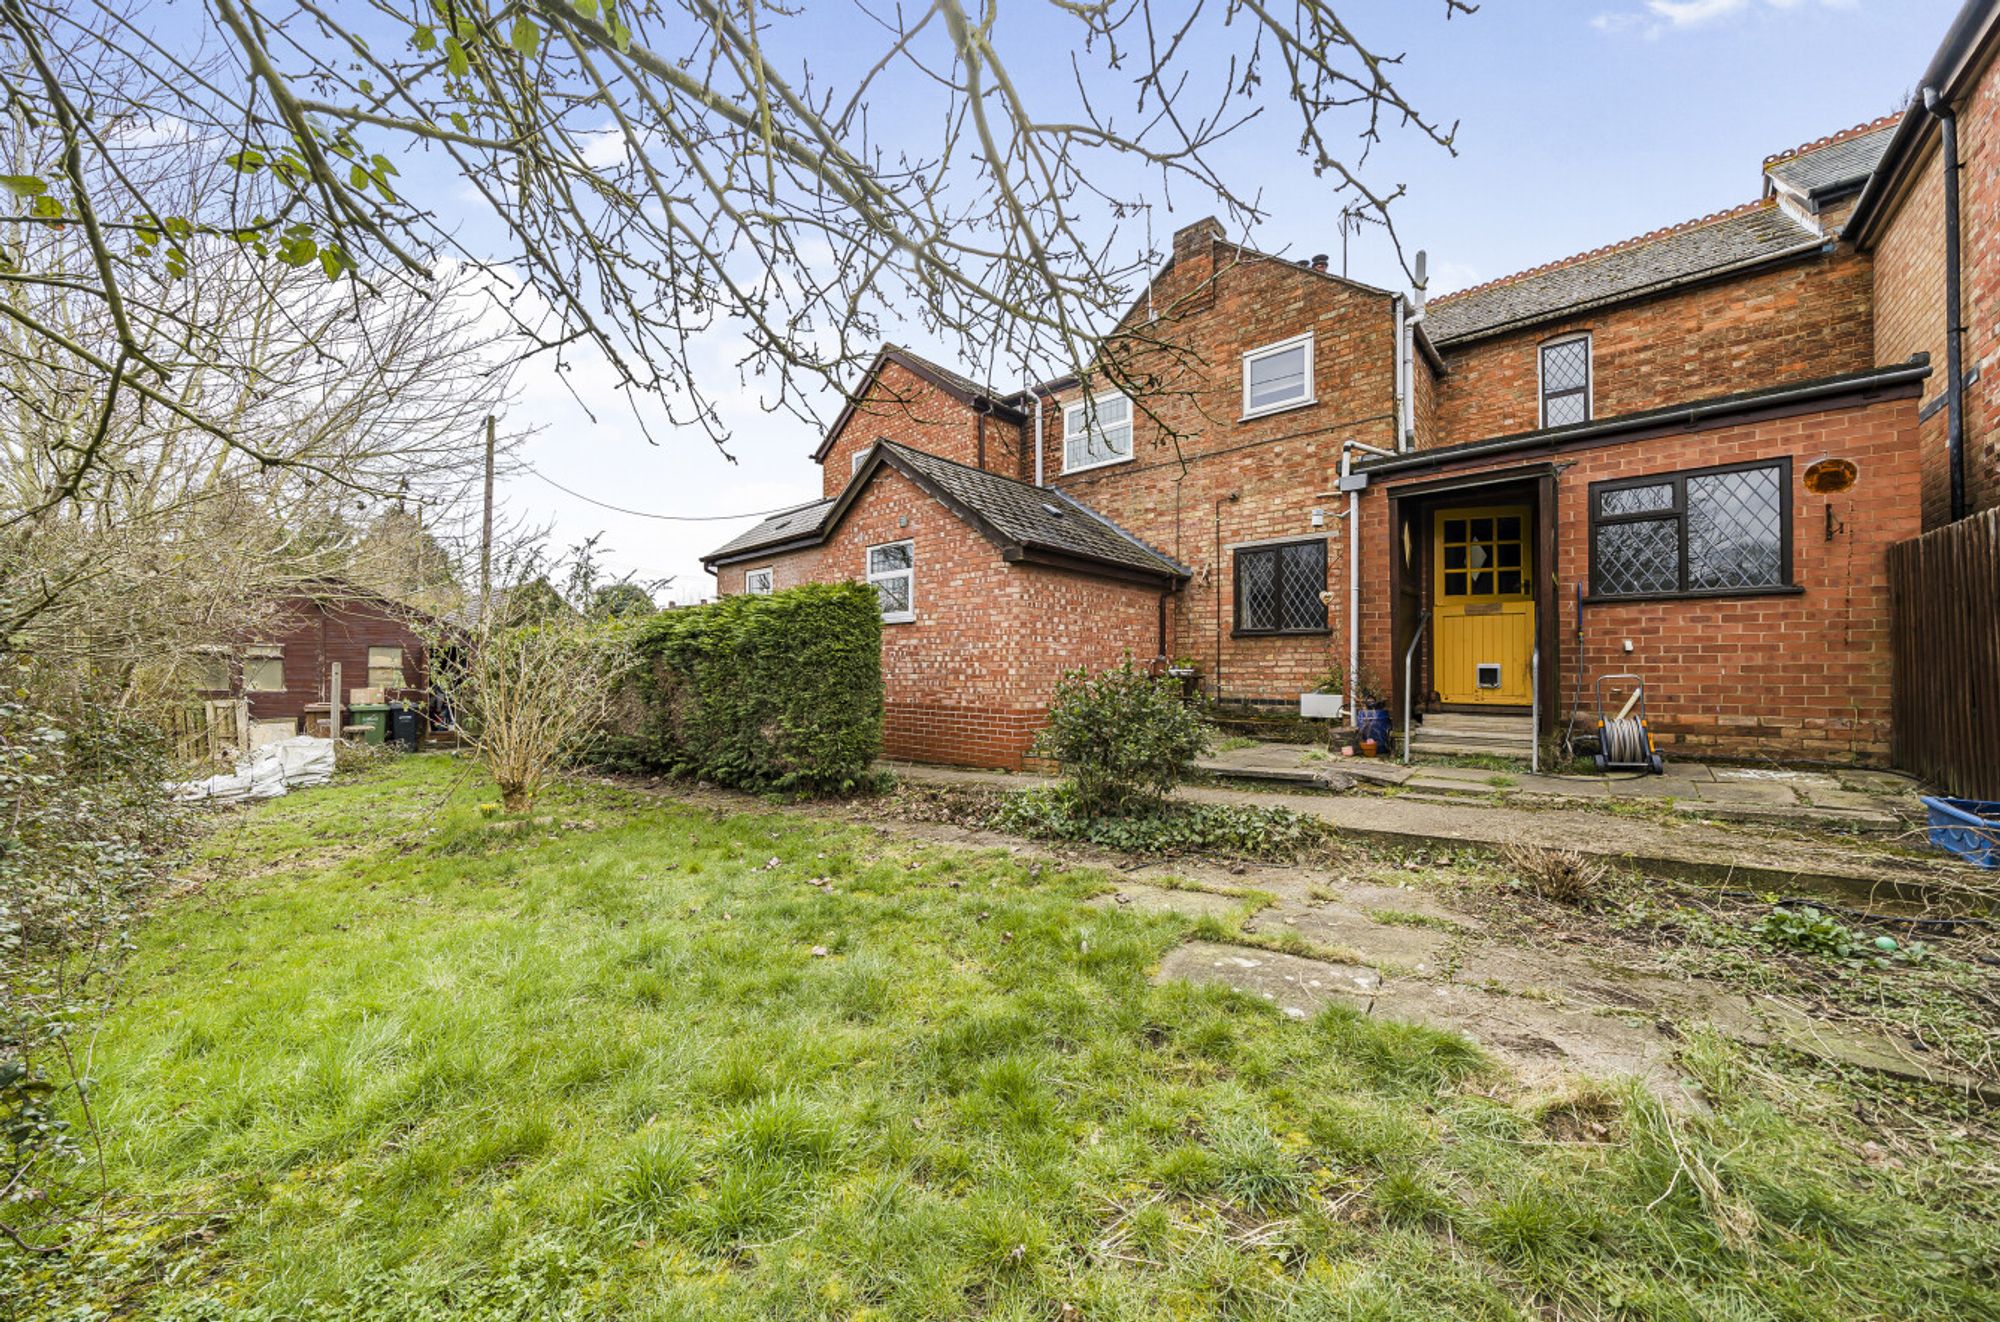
column 1371, row 723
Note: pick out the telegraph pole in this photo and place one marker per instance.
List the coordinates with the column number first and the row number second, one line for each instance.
column 486, row 533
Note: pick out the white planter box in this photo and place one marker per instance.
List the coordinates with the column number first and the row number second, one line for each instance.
column 1321, row 706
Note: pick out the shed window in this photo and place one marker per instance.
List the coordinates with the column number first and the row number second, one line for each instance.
column 1565, row 375
column 1278, row 376
column 264, row 668
column 1278, row 588
column 385, row 667
column 893, row 571
column 1711, row 531
column 1097, row 431
column 211, row 670
column 758, row 582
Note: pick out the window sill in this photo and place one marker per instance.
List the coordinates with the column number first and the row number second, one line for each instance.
column 1726, row 594
column 899, row 619
column 1091, row 468
column 1276, row 409
column 1279, row 633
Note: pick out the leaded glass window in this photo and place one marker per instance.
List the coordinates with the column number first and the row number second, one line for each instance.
column 1278, row 588
column 1566, row 381
column 1721, row 530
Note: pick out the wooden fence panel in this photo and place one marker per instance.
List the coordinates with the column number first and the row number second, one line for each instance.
column 1945, row 639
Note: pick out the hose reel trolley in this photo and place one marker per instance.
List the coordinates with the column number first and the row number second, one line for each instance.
column 1625, row 741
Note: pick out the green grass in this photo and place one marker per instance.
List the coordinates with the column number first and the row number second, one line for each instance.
column 389, row 1062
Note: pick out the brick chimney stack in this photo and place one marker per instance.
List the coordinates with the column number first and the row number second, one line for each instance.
column 1194, row 263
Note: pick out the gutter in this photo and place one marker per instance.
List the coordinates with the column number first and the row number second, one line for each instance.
column 1689, row 416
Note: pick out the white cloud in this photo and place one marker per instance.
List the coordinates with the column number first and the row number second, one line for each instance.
column 1657, row 17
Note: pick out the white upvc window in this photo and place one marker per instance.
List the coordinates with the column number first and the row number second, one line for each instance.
column 1278, row 376
column 893, row 571
column 854, row 461
column 1097, row 430
column 1563, row 370
column 759, row 582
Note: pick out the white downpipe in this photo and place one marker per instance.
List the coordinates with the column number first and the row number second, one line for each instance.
column 1353, row 579
column 1347, row 449
column 1038, row 437
column 1402, row 373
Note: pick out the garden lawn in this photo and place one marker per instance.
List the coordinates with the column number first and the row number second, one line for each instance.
column 390, row 1061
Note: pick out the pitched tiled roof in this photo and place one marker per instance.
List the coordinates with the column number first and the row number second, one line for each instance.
column 1659, row 260
column 786, row 526
column 1838, row 162
column 1030, row 516
column 1013, row 514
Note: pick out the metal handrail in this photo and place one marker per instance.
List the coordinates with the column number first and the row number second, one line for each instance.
column 1409, row 681
column 1535, row 720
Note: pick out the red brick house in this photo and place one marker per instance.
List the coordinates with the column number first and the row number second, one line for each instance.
column 1598, row 465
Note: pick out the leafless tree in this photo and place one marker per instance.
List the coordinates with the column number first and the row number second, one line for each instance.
column 641, row 171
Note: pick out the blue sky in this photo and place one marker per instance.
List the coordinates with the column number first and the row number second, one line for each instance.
column 1580, row 124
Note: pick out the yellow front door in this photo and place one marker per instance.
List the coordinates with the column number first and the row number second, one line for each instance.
column 1483, row 606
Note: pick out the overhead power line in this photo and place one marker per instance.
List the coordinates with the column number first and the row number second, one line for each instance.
column 667, row 518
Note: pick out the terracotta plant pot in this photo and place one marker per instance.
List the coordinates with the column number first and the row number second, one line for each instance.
column 1368, row 748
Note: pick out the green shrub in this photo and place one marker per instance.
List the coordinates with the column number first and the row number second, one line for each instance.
column 764, row 692
column 1123, row 738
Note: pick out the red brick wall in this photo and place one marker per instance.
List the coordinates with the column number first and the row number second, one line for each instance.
column 1281, row 466
column 1795, row 676
column 788, row 571
column 968, row 681
column 906, row 408
column 315, row 635
column 1909, row 297
column 1806, row 320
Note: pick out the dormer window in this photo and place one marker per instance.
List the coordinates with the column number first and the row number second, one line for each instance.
column 1565, row 378
column 1278, row 376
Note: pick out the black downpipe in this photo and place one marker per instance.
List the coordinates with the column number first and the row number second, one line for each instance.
column 1954, row 328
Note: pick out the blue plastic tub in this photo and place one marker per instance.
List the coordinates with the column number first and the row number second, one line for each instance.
column 1969, row 828
column 1372, row 723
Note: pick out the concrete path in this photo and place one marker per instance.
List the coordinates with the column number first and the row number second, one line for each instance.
column 1684, row 847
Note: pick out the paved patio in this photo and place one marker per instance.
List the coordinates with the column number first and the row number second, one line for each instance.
column 1838, row 799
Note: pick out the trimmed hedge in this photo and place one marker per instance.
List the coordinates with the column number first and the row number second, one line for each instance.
column 767, row 692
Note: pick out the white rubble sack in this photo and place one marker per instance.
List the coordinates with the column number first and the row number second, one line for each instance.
column 268, row 772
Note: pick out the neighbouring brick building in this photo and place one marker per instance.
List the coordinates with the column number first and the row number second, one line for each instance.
column 1683, row 455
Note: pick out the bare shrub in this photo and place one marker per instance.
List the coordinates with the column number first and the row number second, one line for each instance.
column 531, row 700
column 1564, row 876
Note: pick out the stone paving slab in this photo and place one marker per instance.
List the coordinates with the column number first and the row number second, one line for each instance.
column 1686, row 849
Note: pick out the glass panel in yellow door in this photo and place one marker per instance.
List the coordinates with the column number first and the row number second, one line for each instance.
column 1482, row 599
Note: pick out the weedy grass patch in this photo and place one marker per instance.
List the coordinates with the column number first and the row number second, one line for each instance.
column 650, row 1060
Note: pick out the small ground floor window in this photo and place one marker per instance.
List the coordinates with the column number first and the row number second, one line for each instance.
column 1278, row 588
column 757, row 582
column 893, row 571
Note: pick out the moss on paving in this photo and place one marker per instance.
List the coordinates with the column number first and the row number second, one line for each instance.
column 632, row 1062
